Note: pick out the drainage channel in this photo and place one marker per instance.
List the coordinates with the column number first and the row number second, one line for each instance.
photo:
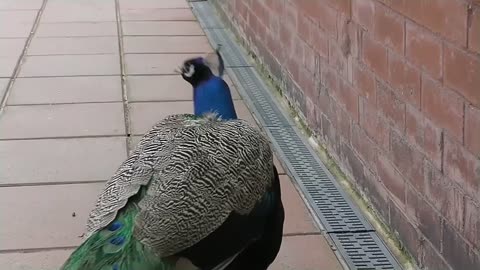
column 353, row 235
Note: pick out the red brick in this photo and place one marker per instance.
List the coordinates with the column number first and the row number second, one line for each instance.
column 364, row 82
column 392, row 180
column 364, row 146
column 304, row 28
column 308, row 58
column 407, row 232
column 422, row 132
column 424, row 50
column 407, row 159
column 444, row 195
column 389, row 28
column 343, row 6
column 462, row 73
column 375, row 56
column 447, row 17
column 330, row 79
column 374, row 125
column 319, row 41
column 472, row 222
column 353, row 164
column 363, row 11
column 258, row 9
column 443, row 107
column 456, row 250
column 405, row 80
column 324, row 15
column 306, row 82
column 461, row 166
column 348, row 98
column 390, row 106
column 429, row 220
column 474, row 31
column 472, row 129
column 431, row 258
column 337, row 59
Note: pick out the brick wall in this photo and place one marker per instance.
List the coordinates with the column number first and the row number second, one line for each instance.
column 393, row 88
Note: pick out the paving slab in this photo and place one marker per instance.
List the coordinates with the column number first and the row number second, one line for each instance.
column 17, row 30
column 7, row 66
column 51, row 121
column 31, row 223
column 167, row 44
column 40, row 260
column 146, row 114
column 51, row 90
column 20, row 4
column 157, row 14
column 79, row 11
column 148, row 4
column 60, row 160
column 3, row 86
column 80, row 29
column 11, row 47
column 165, row 88
column 297, row 217
column 162, row 28
column 156, row 64
column 305, row 252
column 12, row 17
column 70, row 65
column 73, row 45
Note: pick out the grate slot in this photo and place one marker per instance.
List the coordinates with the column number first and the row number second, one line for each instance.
column 350, row 231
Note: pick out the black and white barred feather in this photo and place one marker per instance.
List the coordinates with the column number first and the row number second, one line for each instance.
column 197, row 170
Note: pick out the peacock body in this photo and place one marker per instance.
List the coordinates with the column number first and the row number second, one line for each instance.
column 195, row 188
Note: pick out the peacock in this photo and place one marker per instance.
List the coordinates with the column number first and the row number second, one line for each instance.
column 199, row 192
column 212, row 94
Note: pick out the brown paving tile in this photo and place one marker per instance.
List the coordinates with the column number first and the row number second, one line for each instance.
column 7, row 65
column 51, row 90
column 167, row 44
column 62, row 4
column 11, row 17
column 279, row 166
column 60, row 160
column 157, row 14
column 72, row 13
column 20, row 4
column 70, row 65
column 45, row 121
column 297, row 218
column 73, row 45
column 82, row 29
column 140, row 64
column 42, row 260
column 17, row 30
column 48, row 209
column 146, row 114
column 127, row 4
column 3, row 86
column 164, row 88
column 310, row 252
column 12, row 47
column 162, row 28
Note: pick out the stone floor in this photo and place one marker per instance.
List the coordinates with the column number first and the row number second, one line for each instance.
column 64, row 126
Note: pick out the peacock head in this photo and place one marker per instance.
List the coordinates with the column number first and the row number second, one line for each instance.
column 199, row 69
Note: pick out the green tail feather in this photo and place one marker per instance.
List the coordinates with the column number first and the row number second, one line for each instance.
column 99, row 253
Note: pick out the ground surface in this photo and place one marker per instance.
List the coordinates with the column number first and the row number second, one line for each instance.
column 63, row 131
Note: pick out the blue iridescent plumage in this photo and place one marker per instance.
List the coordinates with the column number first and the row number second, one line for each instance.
column 213, row 95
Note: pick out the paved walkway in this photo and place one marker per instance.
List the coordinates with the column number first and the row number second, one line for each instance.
column 65, row 125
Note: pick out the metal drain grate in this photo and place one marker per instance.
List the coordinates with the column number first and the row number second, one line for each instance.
column 205, row 14
column 350, row 231
column 364, row 250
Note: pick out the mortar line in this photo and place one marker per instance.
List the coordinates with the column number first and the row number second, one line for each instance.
column 123, row 75
column 16, row 70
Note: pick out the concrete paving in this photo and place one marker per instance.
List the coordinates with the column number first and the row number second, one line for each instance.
column 79, row 103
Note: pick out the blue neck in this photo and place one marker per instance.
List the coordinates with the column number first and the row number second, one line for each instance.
column 214, row 95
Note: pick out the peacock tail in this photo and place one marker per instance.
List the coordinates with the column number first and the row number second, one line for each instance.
column 187, row 175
